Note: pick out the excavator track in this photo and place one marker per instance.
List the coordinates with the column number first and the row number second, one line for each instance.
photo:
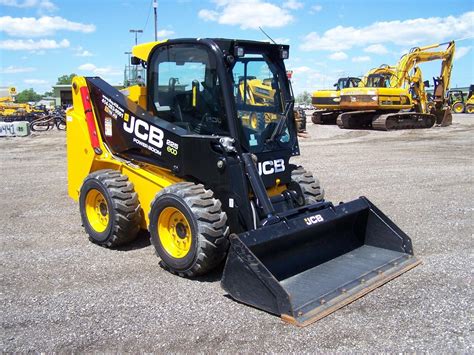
column 355, row 119
column 385, row 122
column 325, row 117
column 403, row 120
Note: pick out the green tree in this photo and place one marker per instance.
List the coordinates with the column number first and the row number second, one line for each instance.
column 304, row 98
column 47, row 94
column 28, row 95
column 65, row 79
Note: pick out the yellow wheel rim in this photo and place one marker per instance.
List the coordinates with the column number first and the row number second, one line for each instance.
column 470, row 109
column 254, row 121
column 174, row 232
column 97, row 210
column 458, row 108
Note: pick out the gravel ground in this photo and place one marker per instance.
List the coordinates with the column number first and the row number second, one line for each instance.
column 59, row 292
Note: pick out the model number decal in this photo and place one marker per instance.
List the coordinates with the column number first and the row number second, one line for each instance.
column 146, row 135
column 271, row 167
column 313, row 219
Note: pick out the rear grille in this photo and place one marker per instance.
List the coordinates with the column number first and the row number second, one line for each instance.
column 357, row 98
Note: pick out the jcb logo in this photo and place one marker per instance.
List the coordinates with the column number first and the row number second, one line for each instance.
column 144, row 131
column 314, row 219
column 271, row 167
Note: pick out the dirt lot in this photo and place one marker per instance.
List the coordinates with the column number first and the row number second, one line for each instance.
column 59, row 292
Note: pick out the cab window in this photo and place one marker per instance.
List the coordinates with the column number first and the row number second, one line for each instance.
column 186, row 89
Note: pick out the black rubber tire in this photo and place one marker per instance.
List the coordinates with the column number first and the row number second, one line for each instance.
column 60, row 122
column 316, row 118
column 42, row 124
column 208, row 225
column 124, row 208
column 469, row 109
column 309, row 184
column 260, row 122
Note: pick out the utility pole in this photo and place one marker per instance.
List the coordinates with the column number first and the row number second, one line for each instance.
column 136, row 42
column 136, row 34
column 126, row 79
column 155, row 7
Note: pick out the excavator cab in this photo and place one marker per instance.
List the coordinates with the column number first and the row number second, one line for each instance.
column 378, row 81
column 209, row 187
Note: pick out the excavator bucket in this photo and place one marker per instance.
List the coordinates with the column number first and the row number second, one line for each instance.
column 444, row 117
column 316, row 259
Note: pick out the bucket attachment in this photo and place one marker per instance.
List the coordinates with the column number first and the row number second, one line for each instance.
column 316, row 259
column 444, row 117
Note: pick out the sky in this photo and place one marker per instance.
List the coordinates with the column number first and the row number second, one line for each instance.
column 41, row 40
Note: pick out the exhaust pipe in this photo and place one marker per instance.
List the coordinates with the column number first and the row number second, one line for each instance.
column 316, row 259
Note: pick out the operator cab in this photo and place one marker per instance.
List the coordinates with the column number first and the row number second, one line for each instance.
column 379, row 80
column 224, row 87
column 344, row 83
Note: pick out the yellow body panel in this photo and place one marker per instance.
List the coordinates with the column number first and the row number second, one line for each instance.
column 320, row 99
column 363, row 98
column 143, row 50
column 137, row 94
column 82, row 160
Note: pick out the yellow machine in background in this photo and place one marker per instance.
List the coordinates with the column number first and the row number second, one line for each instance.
column 257, row 93
column 326, row 102
column 11, row 110
column 470, row 100
column 378, row 104
column 461, row 103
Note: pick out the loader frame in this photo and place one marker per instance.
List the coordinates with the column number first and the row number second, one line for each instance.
column 282, row 246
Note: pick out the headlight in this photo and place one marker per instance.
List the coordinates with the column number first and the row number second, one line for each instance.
column 284, row 53
column 239, row 51
column 374, row 98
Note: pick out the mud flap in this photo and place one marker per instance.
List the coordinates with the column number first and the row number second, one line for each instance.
column 316, row 260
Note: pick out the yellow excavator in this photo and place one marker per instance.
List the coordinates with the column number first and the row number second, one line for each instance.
column 178, row 160
column 385, row 101
column 326, row 102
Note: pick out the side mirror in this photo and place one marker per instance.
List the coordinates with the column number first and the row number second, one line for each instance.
column 426, row 83
column 135, row 61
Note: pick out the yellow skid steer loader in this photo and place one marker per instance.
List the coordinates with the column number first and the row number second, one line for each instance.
column 175, row 158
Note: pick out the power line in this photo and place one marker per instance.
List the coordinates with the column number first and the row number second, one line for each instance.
column 148, row 17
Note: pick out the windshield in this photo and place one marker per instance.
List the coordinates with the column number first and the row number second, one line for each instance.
column 378, row 81
column 259, row 100
column 345, row 83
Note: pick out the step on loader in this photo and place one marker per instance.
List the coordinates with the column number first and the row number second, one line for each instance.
column 174, row 157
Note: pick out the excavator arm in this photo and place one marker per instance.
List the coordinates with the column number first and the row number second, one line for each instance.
column 419, row 55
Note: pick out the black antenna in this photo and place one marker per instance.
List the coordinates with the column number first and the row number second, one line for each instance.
column 271, row 39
